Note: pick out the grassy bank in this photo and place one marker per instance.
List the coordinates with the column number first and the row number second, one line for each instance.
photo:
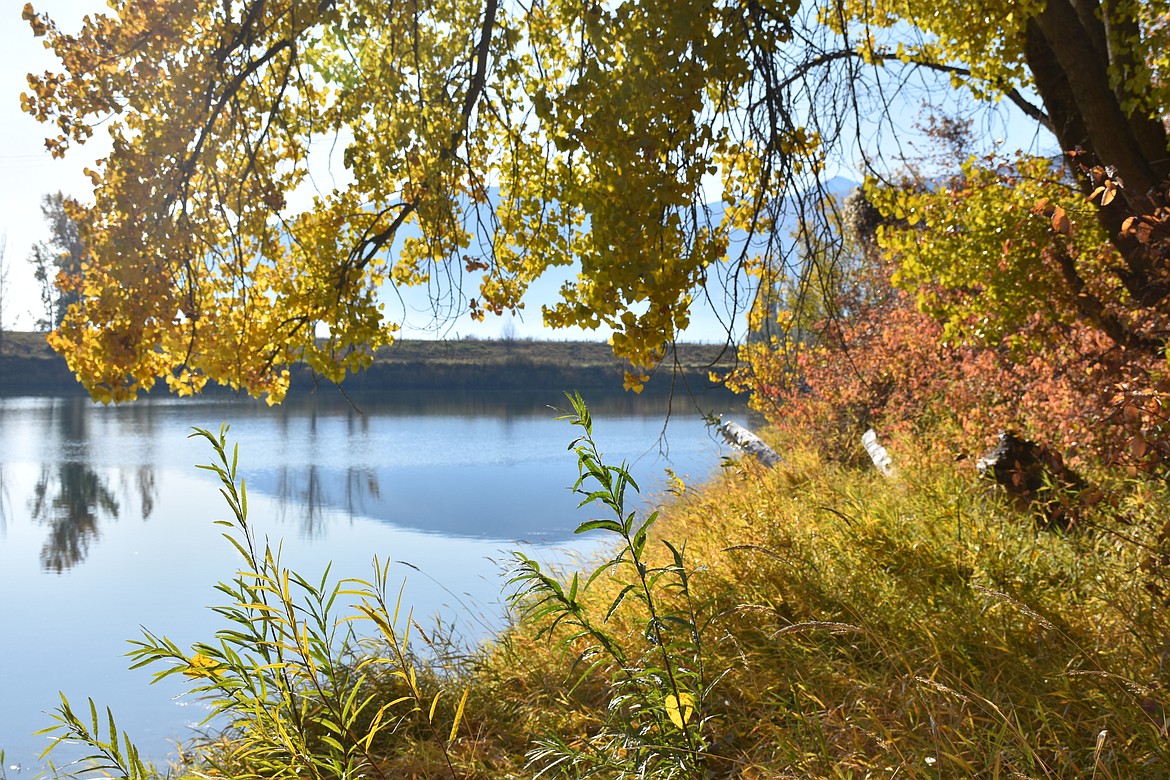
column 810, row 621
column 854, row 626
column 522, row 364
column 28, row 365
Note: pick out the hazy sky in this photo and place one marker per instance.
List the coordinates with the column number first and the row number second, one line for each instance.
column 26, row 169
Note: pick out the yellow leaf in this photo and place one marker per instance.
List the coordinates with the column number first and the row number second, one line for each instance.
column 680, row 709
column 201, row 665
column 458, row 715
column 634, row 382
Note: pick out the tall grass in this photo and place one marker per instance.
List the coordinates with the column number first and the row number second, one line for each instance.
column 810, row 621
column 658, row 685
column 867, row 627
column 296, row 692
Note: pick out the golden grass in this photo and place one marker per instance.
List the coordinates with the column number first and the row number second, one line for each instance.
column 865, row 627
column 852, row 626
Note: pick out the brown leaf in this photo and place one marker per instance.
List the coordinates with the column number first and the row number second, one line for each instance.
column 1060, row 221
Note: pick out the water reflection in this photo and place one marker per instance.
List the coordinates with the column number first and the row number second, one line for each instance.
column 439, row 485
column 73, row 499
column 69, row 499
column 475, row 466
column 307, row 495
column 359, row 406
column 5, row 502
column 147, row 489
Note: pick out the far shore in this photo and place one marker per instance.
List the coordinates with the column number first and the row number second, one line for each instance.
column 29, row 367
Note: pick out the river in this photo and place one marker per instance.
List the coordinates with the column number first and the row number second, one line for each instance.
column 106, row 525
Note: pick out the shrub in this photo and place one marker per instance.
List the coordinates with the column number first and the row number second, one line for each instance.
column 296, row 692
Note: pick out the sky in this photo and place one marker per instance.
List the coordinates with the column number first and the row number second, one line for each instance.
column 27, row 171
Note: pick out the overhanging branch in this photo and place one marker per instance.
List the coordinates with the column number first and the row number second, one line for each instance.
column 1013, row 94
column 367, row 249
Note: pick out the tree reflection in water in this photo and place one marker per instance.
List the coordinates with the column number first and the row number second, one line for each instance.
column 71, row 497
column 310, row 491
column 5, row 502
column 147, row 490
column 69, row 501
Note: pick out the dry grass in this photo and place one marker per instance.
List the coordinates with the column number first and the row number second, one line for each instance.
column 25, row 345
column 914, row 627
column 853, row 626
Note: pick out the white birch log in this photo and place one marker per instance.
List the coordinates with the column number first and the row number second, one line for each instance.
column 747, row 441
column 877, row 453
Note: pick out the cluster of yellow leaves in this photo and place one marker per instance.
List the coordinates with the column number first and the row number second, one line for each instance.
column 985, row 36
column 975, row 249
column 568, row 132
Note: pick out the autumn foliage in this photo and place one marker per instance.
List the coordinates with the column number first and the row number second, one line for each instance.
column 482, row 145
column 1008, row 317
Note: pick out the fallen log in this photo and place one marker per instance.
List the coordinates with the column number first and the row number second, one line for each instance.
column 877, row 453
column 753, row 445
column 1036, row 477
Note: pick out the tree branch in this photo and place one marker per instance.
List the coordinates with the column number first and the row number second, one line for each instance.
column 1030, row 109
column 365, row 251
column 1093, row 310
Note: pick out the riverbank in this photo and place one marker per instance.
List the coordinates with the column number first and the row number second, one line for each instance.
column 28, row 366
column 814, row 620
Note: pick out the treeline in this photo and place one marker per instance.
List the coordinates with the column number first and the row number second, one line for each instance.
column 28, row 365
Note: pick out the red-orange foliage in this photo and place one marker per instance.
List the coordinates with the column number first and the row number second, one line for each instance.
column 887, row 365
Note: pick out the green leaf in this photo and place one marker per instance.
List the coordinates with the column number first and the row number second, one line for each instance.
column 618, row 601
column 599, row 525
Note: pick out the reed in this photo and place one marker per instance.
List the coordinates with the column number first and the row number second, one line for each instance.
column 657, row 681
column 299, row 691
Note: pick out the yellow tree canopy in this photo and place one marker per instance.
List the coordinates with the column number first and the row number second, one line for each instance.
column 563, row 130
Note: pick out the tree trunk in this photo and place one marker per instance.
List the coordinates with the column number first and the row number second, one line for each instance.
column 1069, row 52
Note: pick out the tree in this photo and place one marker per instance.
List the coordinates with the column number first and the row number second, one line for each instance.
column 61, row 255
column 564, row 130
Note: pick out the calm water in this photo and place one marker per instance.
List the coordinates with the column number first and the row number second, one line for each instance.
column 106, row 524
